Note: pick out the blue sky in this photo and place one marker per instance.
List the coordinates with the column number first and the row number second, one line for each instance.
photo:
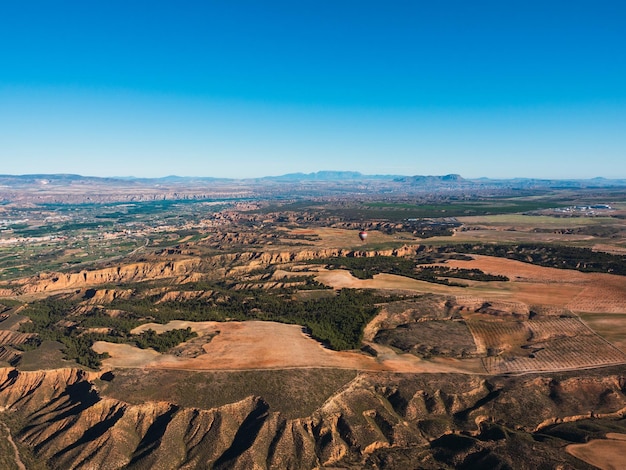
column 254, row 88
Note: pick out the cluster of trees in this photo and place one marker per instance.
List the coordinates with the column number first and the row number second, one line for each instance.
column 461, row 273
column 337, row 321
column 429, row 209
column 46, row 314
column 554, row 256
column 99, row 319
column 78, row 348
column 165, row 341
column 428, row 231
column 366, row 268
column 144, row 310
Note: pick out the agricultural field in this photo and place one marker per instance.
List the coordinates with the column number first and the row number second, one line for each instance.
column 541, row 344
column 248, row 301
column 247, row 262
column 611, row 326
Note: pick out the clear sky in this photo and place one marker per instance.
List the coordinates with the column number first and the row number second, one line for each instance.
column 254, row 88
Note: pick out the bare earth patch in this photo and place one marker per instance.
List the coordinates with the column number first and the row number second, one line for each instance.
column 503, row 335
column 606, row 454
column 527, row 290
column 583, row 292
column 125, row 355
column 340, row 279
column 257, row 345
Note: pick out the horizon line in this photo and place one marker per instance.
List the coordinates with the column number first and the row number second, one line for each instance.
column 354, row 173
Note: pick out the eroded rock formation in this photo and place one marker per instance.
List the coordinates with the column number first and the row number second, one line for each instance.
column 181, row 269
column 373, row 421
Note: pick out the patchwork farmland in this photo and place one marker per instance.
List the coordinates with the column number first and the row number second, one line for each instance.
column 553, row 344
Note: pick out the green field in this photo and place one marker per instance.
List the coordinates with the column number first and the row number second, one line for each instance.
column 542, row 221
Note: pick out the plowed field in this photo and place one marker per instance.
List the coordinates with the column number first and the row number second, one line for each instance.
column 255, row 345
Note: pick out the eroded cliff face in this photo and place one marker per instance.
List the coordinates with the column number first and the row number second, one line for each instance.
column 181, row 270
column 251, row 260
column 134, row 272
column 106, row 296
column 375, row 420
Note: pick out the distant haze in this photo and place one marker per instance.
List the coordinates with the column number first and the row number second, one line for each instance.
column 290, row 181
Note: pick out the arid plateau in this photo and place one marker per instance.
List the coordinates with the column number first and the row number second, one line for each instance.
column 246, row 324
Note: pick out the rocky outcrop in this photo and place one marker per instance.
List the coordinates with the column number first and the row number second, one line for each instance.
column 135, row 272
column 248, row 261
column 183, row 296
column 182, row 270
column 70, row 425
column 106, row 296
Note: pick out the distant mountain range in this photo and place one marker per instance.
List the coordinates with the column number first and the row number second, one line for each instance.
column 451, row 180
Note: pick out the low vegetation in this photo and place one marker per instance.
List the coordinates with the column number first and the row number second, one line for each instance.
column 49, row 320
column 554, row 256
column 420, row 208
column 165, row 341
column 337, row 321
column 366, row 268
column 295, row 393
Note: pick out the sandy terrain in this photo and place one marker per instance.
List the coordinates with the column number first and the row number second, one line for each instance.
column 583, row 292
column 267, row 345
column 341, row 237
column 529, row 284
column 126, row 355
column 519, row 271
column 340, row 278
column 601, row 296
column 529, row 290
column 606, row 454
